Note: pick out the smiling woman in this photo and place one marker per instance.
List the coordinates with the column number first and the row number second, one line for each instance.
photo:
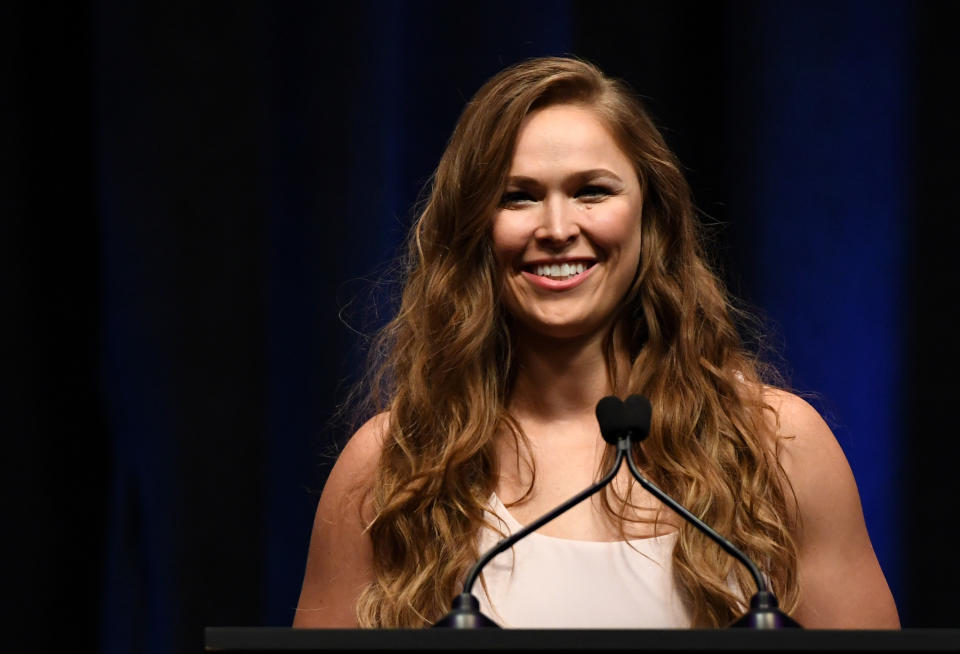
column 558, row 261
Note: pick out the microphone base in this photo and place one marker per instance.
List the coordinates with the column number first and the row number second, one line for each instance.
column 465, row 614
column 764, row 613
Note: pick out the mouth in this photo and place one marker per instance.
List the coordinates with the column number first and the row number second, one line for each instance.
column 561, row 271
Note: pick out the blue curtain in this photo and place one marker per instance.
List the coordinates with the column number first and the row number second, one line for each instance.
column 828, row 177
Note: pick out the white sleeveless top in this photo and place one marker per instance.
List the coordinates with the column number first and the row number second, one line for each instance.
column 557, row 583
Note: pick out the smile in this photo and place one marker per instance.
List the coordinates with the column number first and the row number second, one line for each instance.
column 560, row 271
column 558, row 276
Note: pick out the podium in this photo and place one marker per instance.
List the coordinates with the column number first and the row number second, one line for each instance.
column 286, row 639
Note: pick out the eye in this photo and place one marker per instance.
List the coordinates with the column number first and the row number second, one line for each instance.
column 593, row 193
column 513, row 199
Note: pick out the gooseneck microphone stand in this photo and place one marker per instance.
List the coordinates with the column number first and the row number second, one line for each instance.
column 621, row 423
column 764, row 612
column 465, row 613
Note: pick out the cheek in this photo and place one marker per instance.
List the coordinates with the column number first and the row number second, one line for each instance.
column 508, row 238
column 618, row 230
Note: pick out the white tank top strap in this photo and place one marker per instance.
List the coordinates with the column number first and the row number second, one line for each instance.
column 549, row 582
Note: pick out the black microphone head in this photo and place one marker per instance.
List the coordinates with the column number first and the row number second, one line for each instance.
column 637, row 412
column 612, row 416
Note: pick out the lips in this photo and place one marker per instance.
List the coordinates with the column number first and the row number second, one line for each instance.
column 558, row 275
column 559, row 270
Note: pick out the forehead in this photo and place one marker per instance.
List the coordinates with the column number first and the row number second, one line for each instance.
column 566, row 135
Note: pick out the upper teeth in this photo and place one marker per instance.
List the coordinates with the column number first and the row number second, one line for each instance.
column 560, row 269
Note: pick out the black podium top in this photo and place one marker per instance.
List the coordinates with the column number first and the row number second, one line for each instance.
column 285, row 639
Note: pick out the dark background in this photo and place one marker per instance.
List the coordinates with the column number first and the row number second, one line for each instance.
column 198, row 198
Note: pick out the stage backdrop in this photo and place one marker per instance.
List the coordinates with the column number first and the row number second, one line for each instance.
column 201, row 202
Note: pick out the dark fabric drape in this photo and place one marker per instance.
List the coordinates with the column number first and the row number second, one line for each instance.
column 56, row 454
column 198, row 198
column 928, row 477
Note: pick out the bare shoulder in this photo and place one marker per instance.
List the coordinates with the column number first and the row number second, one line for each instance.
column 803, row 436
column 841, row 582
column 352, row 476
column 359, row 457
column 795, row 416
column 813, row 461
column 340, row 558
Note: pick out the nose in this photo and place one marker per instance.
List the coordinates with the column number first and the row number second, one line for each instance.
column 559, row 224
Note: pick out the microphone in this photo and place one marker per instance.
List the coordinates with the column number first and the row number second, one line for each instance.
column 764, row 612
column 617, row 426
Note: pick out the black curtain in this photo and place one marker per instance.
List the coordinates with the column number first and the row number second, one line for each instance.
column 57, row 449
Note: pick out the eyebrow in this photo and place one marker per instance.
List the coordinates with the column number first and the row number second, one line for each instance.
column 578, row 177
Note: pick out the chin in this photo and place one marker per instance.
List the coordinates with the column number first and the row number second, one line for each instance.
column 562, row 330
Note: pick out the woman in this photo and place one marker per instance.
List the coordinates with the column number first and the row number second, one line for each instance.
column 557, row 261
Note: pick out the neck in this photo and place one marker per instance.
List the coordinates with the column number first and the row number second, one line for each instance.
column 560, row 379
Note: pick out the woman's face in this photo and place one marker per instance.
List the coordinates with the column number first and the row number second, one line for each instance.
column 567, row 232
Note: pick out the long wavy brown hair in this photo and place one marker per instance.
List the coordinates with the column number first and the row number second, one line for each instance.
column 443, row 371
